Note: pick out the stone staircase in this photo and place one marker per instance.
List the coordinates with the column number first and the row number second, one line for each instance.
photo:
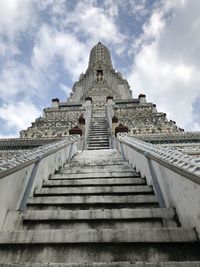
column 96, row 211
column 98, row 134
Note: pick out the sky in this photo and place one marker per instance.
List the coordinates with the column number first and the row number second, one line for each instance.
column 45, row 45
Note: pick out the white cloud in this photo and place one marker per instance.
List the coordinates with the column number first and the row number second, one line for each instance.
column 52, row 44
column 19, row 115
column 66, row 89
column 95, row 23
column 16, row 16
column 167, row 68
column 17, row 79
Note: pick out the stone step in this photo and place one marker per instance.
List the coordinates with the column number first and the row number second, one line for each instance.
column 97, row 144
column 97, row 161
column 95, row 175
column 117, row 163
column 91, row 224
column 102, row 141
column 94, row 182
column 105, row 139
column 99, row 123
column 94, row 134
column 92, row 161
column 142, row 235
column 99, row 214
column 97, row 148
column 99, row 169
column 99, row 128
column 93, row 199
column 99, row 138
column 86, row 254
column 93, row 141
column 98, row 131
column 108, row 264
column 95, row 190
column 98, row 134
column 95, row 219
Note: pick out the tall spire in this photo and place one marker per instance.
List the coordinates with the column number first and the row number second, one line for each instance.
column 100, row 54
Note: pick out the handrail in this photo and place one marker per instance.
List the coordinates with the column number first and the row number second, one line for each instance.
column 10, row 166
column 88, row 116
column 174, row 160
column 109, row 112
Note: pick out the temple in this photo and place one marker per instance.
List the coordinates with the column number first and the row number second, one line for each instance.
column 101, row 179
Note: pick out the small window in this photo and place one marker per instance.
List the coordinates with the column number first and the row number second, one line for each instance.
column 99, row 72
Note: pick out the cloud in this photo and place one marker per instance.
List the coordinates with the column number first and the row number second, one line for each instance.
column 15, row 16
column 19, row 115
column 66, row 89
column 167, row 65
column 45, row 45
column 17, row 78
column 52, row 45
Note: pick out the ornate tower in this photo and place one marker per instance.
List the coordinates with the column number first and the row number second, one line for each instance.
column 99, row 82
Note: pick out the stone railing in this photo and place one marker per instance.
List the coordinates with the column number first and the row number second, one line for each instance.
column 88, row 117
column 175, row 176
column 8, row 166
column 175, row 136
column 167, row 155
column 19, row 176
column 8, row 143
column 109, row 114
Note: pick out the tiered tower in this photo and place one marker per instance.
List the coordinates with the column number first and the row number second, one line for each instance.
column 99, row 82
column 102, row 179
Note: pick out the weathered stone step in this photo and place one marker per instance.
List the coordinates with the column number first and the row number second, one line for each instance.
column 97, row 134
column 95, row 190
column 98, row 129
column 142, row 235
column 88, row 162
column 98, row 126
column 105, row 164
column 92, row 224
column 83, row 200
column 98, row 141
column 99, row 137
column 107, row 264
column 97, row 148
column 105, row 141
column 102, row 139
column 93, row 168
column 99, row 123
column 94, row 182
column 86, row 254
column 98, row 214
column 96, row 175
column 111, row 153
column 106, row 144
